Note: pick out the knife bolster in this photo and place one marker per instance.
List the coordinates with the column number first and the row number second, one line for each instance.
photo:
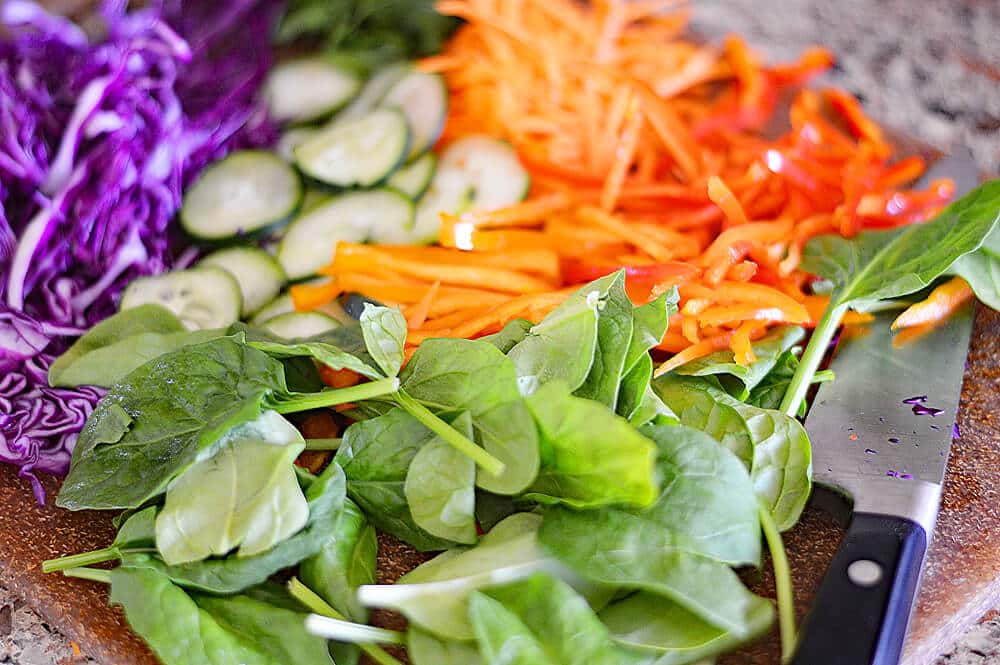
column 911, row 499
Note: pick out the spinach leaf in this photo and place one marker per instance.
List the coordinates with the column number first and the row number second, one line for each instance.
column 348, row 338
column 384, row 331
column 652, row 409
column 738, row 379
column 272, row 628
column 590, row 456
column 695, row 406
column 232, row 574
column 619, row 549
column 345, row 562
column 301, row 374
column 773, row 445
column 137, row 532
column 183, row 628
column 636, row 402
column 321, row 352
column 634, row 388
column 649, row 324
column 614, row 335
column 449, row 376
column 653, row 623
column 376, row 455
column 512, row 333
column 876, row 265
column 772, row 388
column 245, row 496
column 440, row 488
column 491, row 509
column 157, row 422
column 707, row 498
column 541, row 620
column 562, row 346
column 368, row 32
column 114, row 347
column 434, row 596
column 426, row 649
column 981, row 269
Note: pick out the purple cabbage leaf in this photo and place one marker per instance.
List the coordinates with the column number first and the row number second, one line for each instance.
column 98, row 137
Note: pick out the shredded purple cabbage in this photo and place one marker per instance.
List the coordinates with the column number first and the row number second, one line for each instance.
column 97, row 140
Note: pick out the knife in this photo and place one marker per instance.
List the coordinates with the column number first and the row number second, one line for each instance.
column 872, row 446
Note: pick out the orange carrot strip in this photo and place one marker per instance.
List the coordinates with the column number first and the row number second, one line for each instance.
column 630, row 234
column 761, row 232
column 511, row 310
column 623, row 156
column 741, row 345
column 526, row 213
column 306, row 297
column 491, row 279
column 674, row 135
column 722, row 196
column 939, row 305
column 454, row 318
column 693, row 352
column 417, row 315
column 730, row 314
column 543, row 262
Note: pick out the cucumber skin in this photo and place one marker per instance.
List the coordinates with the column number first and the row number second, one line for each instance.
column 329, row 113
column 212, row 261
column 415, row 196
column 323, row 186
column 268, row 229
column 435, row 135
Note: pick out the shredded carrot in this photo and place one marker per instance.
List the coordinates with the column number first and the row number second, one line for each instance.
column 646, row 152
column 941, row 303
column 624, row 153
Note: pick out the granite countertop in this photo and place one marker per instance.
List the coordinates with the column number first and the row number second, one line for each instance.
column 929, row 68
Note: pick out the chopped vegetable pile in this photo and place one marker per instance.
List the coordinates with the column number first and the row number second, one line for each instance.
column 98, row 140
column 537, row 302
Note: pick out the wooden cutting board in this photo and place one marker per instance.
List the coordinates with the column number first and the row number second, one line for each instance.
column 961, row 581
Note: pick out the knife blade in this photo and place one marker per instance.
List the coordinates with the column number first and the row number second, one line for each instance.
column 877, row 441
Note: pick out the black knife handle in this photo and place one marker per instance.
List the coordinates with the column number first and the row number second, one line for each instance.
column 863, row 606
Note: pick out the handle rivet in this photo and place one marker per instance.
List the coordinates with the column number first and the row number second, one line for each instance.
column 865, row 572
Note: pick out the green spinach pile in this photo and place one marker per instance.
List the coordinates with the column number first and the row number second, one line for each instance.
column 584, row 512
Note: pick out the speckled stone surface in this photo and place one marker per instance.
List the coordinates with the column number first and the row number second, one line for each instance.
column 931, row 69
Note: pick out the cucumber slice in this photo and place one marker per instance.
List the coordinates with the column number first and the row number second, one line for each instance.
column 281, row 305
column 247, row 193
column 493, row 167
column 297, row 325
column 373, row 91
column 309, row 89
column 414, row 178
column 450, row 192
column 291, row 139
column 202, row 298
column 311, row 240
column 357, row 152
column 258, row 273
column 423, row 99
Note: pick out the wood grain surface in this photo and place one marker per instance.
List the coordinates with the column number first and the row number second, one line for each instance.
column 961, row 579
